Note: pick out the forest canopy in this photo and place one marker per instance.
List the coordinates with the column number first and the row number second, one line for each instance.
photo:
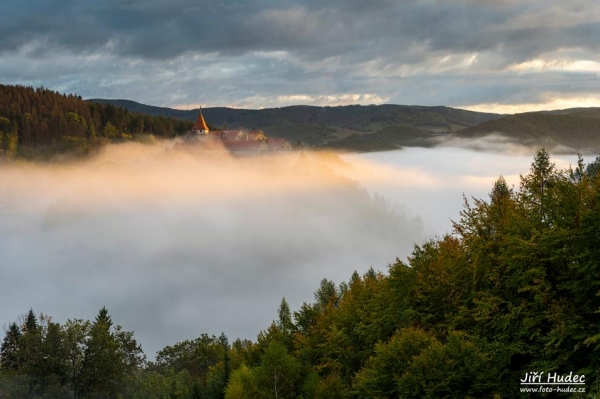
column 40, row 123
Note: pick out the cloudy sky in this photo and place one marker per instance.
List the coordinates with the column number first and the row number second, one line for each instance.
column 492, row 55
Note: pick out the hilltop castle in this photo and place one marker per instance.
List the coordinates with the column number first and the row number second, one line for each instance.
column 238, row 142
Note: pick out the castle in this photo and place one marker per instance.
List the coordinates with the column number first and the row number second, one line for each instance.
column 238, row 142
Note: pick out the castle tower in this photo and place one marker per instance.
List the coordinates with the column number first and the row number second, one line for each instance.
column 200, row 127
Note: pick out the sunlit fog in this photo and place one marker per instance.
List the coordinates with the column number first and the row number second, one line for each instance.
column 176, row 245
column 431, row 183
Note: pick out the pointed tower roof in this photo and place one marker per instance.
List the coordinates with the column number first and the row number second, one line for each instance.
column 200, row 123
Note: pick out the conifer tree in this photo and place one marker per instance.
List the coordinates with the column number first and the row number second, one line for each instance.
column 31, row 350
column 9, row 352
column 54, row 356
column 285, row 323
column 326, row 294
column 31, row 323
column 224, row 341
column 102, row 363
column 537, row 186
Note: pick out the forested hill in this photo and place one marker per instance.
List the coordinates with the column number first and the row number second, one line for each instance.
column 39, row 121
column 386, row 127
column 327, row 125
column 577, row 128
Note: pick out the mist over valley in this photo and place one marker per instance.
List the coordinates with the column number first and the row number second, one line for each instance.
column 175, row 244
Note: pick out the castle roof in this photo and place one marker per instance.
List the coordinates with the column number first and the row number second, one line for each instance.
column 276, row 143
column 243, row 145
column 200, row 123
column 256, row 135
column 214, row 134
column 232, row 134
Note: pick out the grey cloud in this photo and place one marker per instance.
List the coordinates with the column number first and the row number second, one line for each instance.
column 306, row 28
column 255, row 80
column 252, row 53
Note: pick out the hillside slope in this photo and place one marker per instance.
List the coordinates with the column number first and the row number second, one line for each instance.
column 577, row 128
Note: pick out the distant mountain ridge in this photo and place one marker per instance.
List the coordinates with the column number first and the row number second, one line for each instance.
column 577, row 128
column 323, row 126
column 387, row 127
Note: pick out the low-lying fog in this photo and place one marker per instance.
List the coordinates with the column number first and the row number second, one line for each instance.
column 430, row 182
column 175, row 246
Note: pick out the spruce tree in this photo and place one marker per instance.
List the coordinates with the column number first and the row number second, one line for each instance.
column 31, row 323
column 54, row 355
column 102, row 361
column 285, row 323
column 9, row 351
column 31, row 350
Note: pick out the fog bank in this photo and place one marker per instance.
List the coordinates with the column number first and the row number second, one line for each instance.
column 431, row 182
column 176, row 245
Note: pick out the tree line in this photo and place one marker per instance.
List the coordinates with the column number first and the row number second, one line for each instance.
column 514, row 289
column 37, row 122
column 80, row 359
